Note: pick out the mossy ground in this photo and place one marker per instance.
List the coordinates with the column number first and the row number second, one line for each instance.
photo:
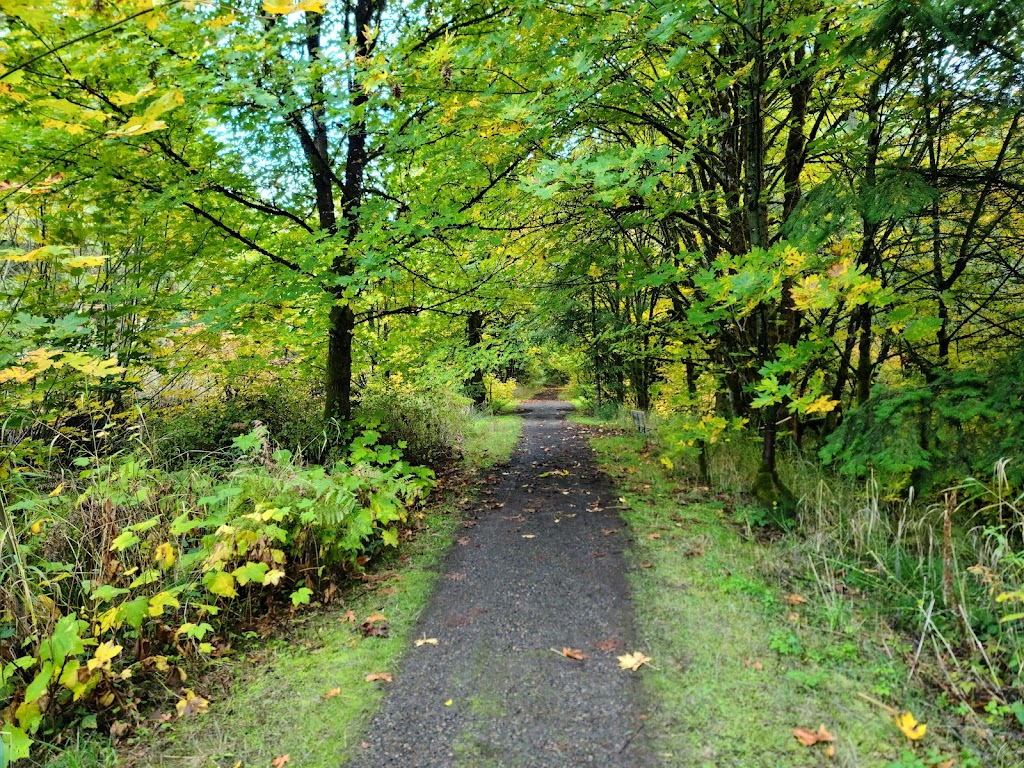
column 739, row 659
column 277, row 697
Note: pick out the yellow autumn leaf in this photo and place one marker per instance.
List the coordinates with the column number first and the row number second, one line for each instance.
column 82, row 262
column 104, row 653
column 667, row 463
column 313, row 6
column 164, row 555
column 279, row 9
column 912, row 729
column 192, row 704
column 823, row 404
column 56, row 491
column 633, row 661
column 221, row 583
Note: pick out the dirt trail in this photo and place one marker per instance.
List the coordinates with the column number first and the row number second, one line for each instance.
column 539, row 566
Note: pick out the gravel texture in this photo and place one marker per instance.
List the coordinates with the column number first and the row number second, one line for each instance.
column 537, row 567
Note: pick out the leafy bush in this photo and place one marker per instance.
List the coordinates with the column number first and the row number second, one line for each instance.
column 428, row 422
column 500, row 394
column 930, row 435
column 193, row 429
column 121, row 573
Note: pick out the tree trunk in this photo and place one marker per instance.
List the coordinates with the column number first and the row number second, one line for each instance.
column 474, row 337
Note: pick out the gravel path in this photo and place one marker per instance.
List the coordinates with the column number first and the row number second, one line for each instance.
column 538, row 567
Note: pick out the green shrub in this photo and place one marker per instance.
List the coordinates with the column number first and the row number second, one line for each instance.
column 189, row 430
column 120, row 573
column 930, row 435
column 428, row 421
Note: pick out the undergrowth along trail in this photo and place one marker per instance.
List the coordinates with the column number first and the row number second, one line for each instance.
column 747, row 648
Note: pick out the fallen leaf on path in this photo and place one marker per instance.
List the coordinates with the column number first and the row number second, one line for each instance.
column 426, row 641
column 609, row 531
column 385, row 676
column 633, row 661
column 912, row 729
column 810, row 738
column 364, row 745
column 449, row 703
column 332, row 693
column 795, row 599
column 529, row 536
column 573, row 653
column 462, row 540
column 280, row 762
column 611, row 644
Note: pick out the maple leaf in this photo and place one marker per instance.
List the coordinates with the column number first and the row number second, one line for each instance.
column 331, row 693
column 809, row 738
column 795, row 599
column 349, row 616
column 912, row 729
column 633, row 661
column 426, row 641
column 280, row 762
column 573, row 653
column 375, row 617
column 385, row 676
column 192, row 704
column 104, row 653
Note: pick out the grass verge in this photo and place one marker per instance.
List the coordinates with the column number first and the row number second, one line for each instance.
column 303, row 692
column 745, row 649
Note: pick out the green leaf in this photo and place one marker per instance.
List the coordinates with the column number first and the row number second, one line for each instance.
column 250, row 572
column 301, row 596
column 39, row 685
column 17, row 743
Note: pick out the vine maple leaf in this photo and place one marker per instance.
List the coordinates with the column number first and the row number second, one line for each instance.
column 633, row 661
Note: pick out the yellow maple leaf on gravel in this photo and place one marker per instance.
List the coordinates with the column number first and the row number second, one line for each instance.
column 633, row 661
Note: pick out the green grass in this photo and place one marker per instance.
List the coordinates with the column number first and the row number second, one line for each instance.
column 269, row 700
column 736, row 666
column 490, row 440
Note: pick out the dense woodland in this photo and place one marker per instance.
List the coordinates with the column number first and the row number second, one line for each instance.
column 257, row 260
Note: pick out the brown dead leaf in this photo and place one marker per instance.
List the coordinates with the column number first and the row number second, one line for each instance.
column 331, row 693
column 653, row 536
column 795, row 599
column 350, row 616
column 573, row 653
column 118, row 729
column 645, row 564
column 375, row 617
column 364, row 745
column 611, row 644
column 385, row 676
column 280, row 762
column 462, row 540
column 609, row 531
column 810, row 738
